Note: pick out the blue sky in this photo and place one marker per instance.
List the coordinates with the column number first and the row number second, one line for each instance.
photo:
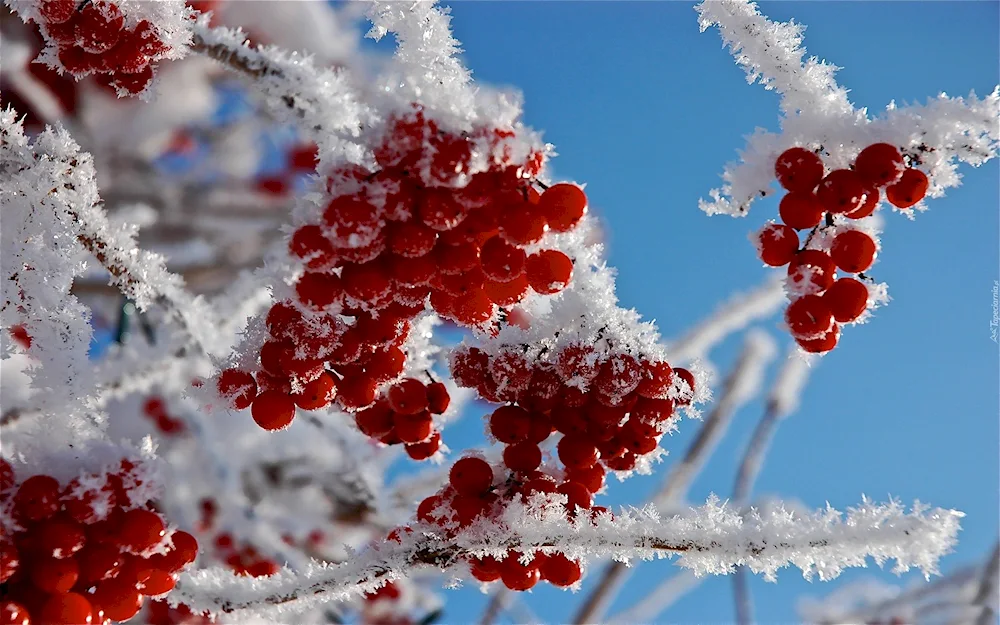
column 646, row 110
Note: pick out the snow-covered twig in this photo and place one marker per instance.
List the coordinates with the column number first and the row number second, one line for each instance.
column 740, row 386
column 734, row 315
column 816, row 112
column 711, row 539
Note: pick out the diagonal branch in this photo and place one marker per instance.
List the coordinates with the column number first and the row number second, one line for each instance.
column 711, row 539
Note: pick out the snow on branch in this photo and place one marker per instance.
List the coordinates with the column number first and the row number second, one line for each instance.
column 816, row 113
column 319, row 100
column 711, row 539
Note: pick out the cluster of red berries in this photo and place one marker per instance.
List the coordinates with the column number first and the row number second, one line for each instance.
column 391, row 241
column 610, row 411
column 84, row 552
column 403, row 416
column 92, row 38
column 473, row 493
column 245, row 560
column 821, row 301
column 155, row 409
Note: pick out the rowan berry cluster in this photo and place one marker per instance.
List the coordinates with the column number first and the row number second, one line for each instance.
column 445, row 219
column 829, row 203
column 155, row 409
column 83, row 552
column 160, row 613
column 404, row 416
column 94, row 38
column 610, row 410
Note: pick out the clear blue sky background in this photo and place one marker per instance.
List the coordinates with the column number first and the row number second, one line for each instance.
column 646, row 110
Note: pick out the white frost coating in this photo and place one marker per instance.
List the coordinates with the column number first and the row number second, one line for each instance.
column 816, row 112
column 787, row 388
column 737, row 313
column 47, row 183
column 710, row 539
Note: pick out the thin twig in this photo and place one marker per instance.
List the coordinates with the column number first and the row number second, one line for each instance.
column 987, row 592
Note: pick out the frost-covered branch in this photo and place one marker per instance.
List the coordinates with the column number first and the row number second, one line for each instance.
column 817, row 113
column 740, row 386
column 734, row 315
column 711, row 539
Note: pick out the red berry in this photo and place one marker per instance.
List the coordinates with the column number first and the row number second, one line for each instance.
column 618, row 376
column 156, row 582
column 413, row 428
column 798, row 169
column 577, row 451
column 777, row 244
column 808, row 317
column 653, row 410
column 523, row 457
column 511, row 371
column 185, row 550
column 517, row 576
column 522, row 224
column 501, row 261
column 99, row 27
column 141, row 530
column 311, row 245
column 37, row 499
column 58, row 537
column 12, row 613
column 273, row 410
column 687, row 389
column 375, row 421
column 119, row 599
column 439, row 210
column 318, row 393
column 853, row 251
column 510, row 424
column 469, row 367
column 408, row 396
column 910, row 189
column 65, row 609
column 283, row 320
column 438, row 398
column 351, row 221
column 625, row 462
column 591, row 477
column 842, row 191
column 369, row 283
column 98, row 562
column 868, row 206
column 880, row 164
column 426, row 449
column 559, row 570
column 238, row 387
column 822, row 344
column 471, row 476
column 563, row 206
column 411, row 239
column 486, row 569
column 506, row 293
column 577, row 495
column 811, row 271
column 549, row 271
column 319, row 290
column 384, row 365
column 54, row 575
column 847, row 299
column 657, row 379
column 800, row 210
column 134, row 83
column 57, row 11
